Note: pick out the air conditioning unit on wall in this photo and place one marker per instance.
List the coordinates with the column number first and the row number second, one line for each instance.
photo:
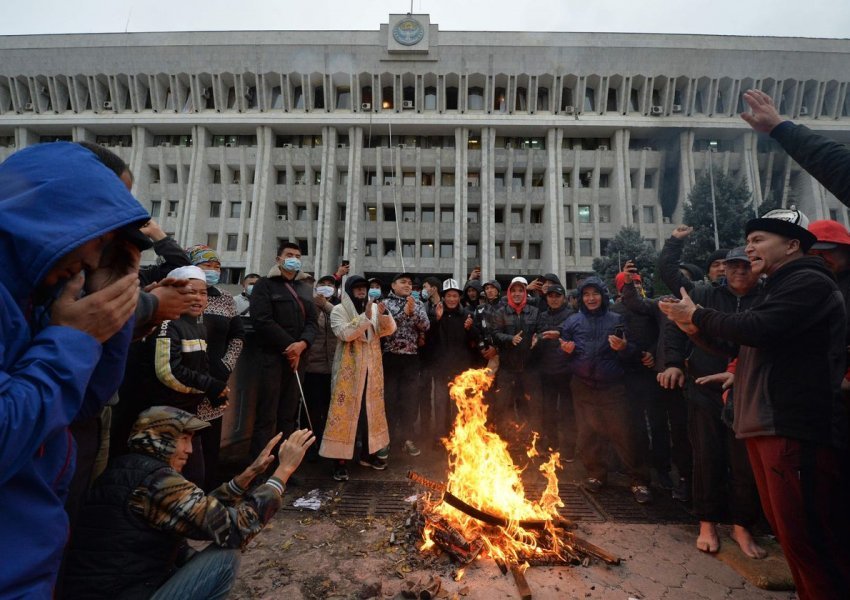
column 366, row 106
column 407, row 104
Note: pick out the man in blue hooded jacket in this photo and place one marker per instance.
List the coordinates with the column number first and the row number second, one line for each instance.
column 69, row 243
column 597, row 347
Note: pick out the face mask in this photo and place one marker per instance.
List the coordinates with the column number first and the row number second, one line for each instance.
column 249, row 289
column 424, row 295
column 212, row 277
column 415, row 294
column 374, row 293
column 292, row 265
column 325, row 290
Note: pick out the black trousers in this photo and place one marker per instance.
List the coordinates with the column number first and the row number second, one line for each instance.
column 317, row 389
column 401, row 395
column 515, row 405
column 558, row 427
column 723, row 482
column 604, row 418
column 277, row 403
column 211, row 441
column 676, row 408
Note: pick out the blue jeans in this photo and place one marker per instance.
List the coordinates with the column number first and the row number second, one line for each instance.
column 209, row 575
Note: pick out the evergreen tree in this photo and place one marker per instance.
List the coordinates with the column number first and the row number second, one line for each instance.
column 732, row 200
column 626, row 245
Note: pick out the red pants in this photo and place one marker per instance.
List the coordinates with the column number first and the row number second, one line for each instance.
column 804, row 494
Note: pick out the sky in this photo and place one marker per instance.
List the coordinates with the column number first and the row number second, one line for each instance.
column 795, row 18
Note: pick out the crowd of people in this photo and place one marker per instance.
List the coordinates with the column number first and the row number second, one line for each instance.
column 730, row 395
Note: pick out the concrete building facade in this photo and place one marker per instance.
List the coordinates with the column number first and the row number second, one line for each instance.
column 433, row 150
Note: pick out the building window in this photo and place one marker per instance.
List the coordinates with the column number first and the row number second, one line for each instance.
column 408, row 179
column 281, row 211
column 371, row 213
column 154, row 174
column 475, row 99
column 236, row 176
column 515, row 250
column 604, row 213
column 499, row 215
column 156, row 207
column 427, row 179
column 447, row 215
column 302, row 244
column 447, row 179
column 300, row 177
column 568, row 246
column 472, row 251
column 604, row 180
column 500, row 252
column 408, row 249
column 565, row 179
column 301, row 213
column 584, row 213
column 215, row 210
column 245, row 243
column 536, row 215
column 408, row 214
column 585, row 178
column 216, row 175
column 389, row 248
column 281, row 176
column 446, row 250
column 833, row 214
column 212, row 240
column 232, row 240
column 517, row 180
column 389, row 213
column 534, row 251
column 648, row 180
column 472, row 179
column 538, row 179
column 516, row 216
column 472, row 215
column 649, row 214
column 235, row 210
column 426, row 250
column 371, row 248
column 172, row 208
column 585, row 247
column 427, row 215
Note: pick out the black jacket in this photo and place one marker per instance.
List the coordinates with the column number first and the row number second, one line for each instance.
column 792, row 356
column 173, row 256
column 826, row 160
column 547, row 354
column 147, row 556
column 700, row 360
column 451, row 341
column 508, row 324
column 279, row 318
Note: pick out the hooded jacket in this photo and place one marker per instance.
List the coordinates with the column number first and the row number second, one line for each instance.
column 140, row 511
column 791, row 360
column 550, row 358
column 593, row 361
column 464, row 299
column 53, row 199
column 507, row 323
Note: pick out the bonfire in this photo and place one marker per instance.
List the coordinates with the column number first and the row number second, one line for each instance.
column 483, row 509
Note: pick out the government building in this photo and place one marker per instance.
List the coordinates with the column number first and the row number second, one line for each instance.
column 408, row 147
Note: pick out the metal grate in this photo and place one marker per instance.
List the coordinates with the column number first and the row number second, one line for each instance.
column 616, row 503
column 362, row 498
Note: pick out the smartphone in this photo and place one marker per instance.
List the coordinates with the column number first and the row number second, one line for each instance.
column 620, row 331
column 345, row 262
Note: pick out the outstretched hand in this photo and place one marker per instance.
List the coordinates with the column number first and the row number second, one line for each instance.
column 292, row 452
column 681, row 311
column 260, row 464
column 763, row 116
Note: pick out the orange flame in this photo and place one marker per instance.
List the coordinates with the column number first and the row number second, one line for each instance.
column 483, row 474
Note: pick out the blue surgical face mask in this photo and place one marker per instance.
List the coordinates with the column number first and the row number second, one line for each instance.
column 415, row 294
column 249, row 289
column 292, row 264
column 374, row 293
column 212, row 277
column 424, row 295
column 325, row 290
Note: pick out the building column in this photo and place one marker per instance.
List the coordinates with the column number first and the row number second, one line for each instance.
column 552, row 252
column 461, row 195
column 352, row 234
column 325, row 250
column 262, row 199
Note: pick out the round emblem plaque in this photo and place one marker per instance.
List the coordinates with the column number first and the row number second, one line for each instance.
column 408, row 32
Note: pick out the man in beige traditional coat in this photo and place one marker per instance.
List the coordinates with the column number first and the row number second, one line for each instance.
column 357, row 396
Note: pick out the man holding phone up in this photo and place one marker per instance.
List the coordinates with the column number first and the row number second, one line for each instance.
column 595, row 342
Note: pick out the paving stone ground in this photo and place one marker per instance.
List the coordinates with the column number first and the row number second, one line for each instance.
column 326, row 554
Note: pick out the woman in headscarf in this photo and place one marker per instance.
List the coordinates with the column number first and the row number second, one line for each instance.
column 225, row 337
column 357, row 396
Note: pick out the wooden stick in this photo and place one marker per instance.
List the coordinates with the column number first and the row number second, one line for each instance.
column 521, row 582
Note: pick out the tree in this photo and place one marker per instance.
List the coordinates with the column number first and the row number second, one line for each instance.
column 626, row 245
column 732, row 199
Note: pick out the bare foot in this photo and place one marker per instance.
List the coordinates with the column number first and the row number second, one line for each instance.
column 708, row 540
column 747, row 543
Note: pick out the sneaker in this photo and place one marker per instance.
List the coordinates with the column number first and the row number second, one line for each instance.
column 383, row 453
column 642, row 494
column 373, row 461
column 592, row 484
column 411, row 448
column 664, row 481
column 340, row 473
column 682, row 491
